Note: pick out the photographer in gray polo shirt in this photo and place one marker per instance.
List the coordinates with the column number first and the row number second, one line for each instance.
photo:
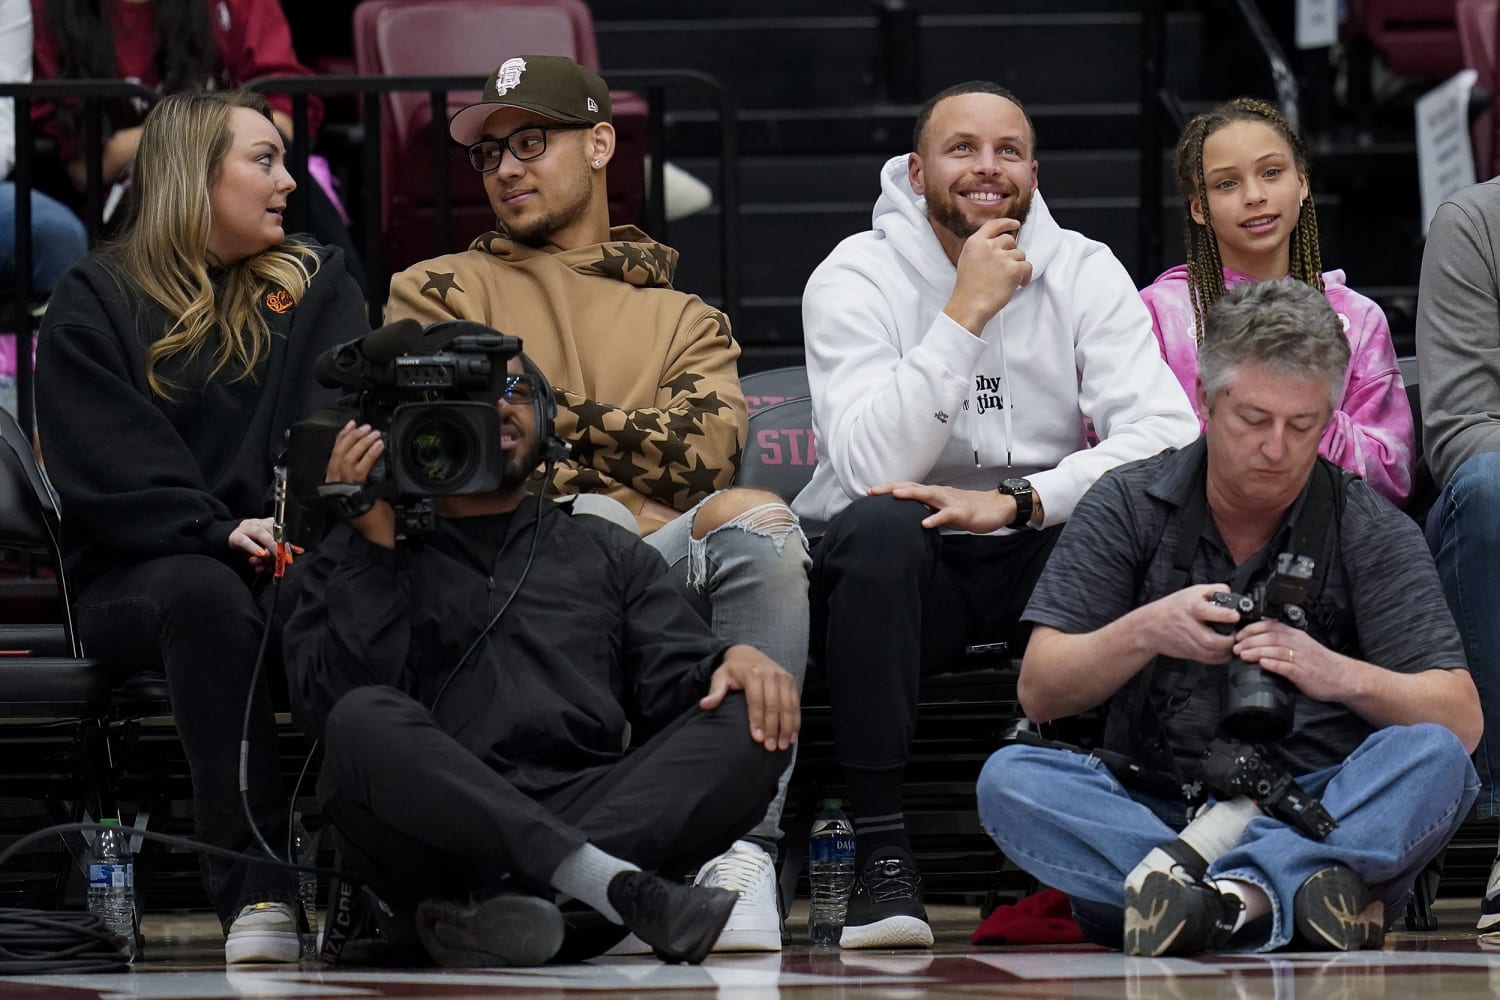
column 1126, row 616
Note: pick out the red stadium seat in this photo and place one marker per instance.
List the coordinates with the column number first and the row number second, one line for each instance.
column 1418, row 37
column 448, row 37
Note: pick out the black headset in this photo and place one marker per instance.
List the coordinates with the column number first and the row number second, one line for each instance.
column 549, row 447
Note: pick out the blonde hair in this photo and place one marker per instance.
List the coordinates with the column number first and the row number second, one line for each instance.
column 164, row 249
column 1205, row 269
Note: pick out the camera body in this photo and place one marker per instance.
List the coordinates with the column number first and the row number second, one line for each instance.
column 1259, row 706
column 430, row 392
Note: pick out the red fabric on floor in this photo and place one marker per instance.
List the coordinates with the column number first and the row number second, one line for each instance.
column 1042, row 918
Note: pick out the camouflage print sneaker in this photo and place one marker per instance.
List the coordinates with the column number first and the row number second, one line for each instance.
column 1335, row 911
column 1173, row 914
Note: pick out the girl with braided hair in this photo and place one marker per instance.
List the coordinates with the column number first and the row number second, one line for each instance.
column 1242, row 170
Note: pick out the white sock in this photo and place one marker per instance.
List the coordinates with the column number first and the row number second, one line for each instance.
column 586, row 873
column 1254, row 903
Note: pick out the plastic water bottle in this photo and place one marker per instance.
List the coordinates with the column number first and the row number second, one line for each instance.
column 831, row 871
column 307, row 886
column 112, row 884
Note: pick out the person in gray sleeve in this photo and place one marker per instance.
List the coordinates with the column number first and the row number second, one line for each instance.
column 1458, row 363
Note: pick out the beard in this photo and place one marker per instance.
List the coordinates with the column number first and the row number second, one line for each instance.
column 948, row 212
column 538, row 231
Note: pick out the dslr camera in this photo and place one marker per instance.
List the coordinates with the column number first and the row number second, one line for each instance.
column 1259, row 706
column 431, row 393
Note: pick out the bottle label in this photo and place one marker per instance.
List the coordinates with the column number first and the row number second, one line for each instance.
column 839, row 847
column 112, row 875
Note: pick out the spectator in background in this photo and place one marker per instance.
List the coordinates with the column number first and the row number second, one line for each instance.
column 171, row 45
column 57, row 235
column 1458, row 360
column 1242, row 169
column 954, row 353
column 170, row 365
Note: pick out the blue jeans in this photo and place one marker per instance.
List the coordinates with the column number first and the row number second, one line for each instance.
column 1398, row 799
column 748, row 579
column 1463, row 531
column 57, row 237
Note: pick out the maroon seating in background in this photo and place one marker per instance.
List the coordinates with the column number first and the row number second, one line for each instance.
column 449, row 37
column 1418, row 37
column 1477, row 28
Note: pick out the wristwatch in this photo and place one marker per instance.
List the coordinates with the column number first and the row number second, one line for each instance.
column 1021, row 490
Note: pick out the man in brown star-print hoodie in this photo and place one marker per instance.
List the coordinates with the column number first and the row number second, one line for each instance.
column 648, row 392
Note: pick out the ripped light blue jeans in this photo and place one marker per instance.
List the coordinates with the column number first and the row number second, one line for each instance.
column 748, row 579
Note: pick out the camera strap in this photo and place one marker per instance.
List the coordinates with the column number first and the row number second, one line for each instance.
column 1315, row 528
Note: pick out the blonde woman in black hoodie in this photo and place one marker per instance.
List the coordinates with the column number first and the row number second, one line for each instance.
column 169, row 367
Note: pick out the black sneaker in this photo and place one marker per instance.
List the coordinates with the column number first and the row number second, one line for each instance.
column 885, row 908
column 1335, row 910
column 680, row 922
column 504, row 930
column 1176, row 915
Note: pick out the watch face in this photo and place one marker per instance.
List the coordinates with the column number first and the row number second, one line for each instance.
column 1015, row 486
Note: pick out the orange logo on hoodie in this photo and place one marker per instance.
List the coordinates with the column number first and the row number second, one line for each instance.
column 279, row 301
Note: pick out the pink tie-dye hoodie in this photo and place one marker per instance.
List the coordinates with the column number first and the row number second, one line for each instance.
column 1371, row 432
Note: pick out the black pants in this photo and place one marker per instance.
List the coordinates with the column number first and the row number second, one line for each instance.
column 893, row 600
column 420, row 816
column 201, row 622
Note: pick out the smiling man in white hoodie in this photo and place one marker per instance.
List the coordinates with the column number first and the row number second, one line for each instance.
column 955, row 353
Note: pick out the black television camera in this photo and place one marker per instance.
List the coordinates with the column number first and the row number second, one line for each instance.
column 1259, row 706
column 430, row 391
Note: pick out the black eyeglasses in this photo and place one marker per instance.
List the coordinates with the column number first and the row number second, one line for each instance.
column 524, row 144
column 519, row 390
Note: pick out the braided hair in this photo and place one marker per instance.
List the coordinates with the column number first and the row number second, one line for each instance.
column 1205, row 269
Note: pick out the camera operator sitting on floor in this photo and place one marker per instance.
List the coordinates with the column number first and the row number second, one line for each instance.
column 476, row 661
column 1370, row 707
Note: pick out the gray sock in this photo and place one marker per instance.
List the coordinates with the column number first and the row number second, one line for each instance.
column 585, row 875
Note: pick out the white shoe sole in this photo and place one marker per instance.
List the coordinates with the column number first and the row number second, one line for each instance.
column 892, row 932
column 265, row 947
column 749, row 939
column 629, row 945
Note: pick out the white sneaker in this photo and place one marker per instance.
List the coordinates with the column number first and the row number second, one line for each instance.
column 263, row 932
column 755, row 922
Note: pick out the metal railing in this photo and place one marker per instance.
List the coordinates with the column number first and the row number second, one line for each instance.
column 368, row 212
column 370, row 88
column 92, row 93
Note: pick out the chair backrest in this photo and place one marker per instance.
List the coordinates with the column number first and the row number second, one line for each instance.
column 456, row 37
column 1415, row 36
column 776, row 385
column 780, row 453
column 27, row 522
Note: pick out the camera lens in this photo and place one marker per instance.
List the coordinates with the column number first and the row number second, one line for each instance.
column 439, row 452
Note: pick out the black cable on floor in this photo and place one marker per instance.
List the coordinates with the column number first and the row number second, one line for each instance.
column 38, row 941
column 47, row 941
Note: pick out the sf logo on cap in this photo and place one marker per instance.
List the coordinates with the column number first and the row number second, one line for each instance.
column 509, row 75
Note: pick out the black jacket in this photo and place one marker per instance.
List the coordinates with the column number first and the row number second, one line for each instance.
column 141, row 476
column 596, row 647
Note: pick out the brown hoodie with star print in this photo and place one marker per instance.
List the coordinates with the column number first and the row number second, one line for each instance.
column 647, row 387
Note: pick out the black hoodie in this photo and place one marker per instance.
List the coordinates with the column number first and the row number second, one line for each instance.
column 140, row 476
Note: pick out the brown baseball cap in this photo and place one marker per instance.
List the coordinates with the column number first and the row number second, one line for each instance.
column 553, row 86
